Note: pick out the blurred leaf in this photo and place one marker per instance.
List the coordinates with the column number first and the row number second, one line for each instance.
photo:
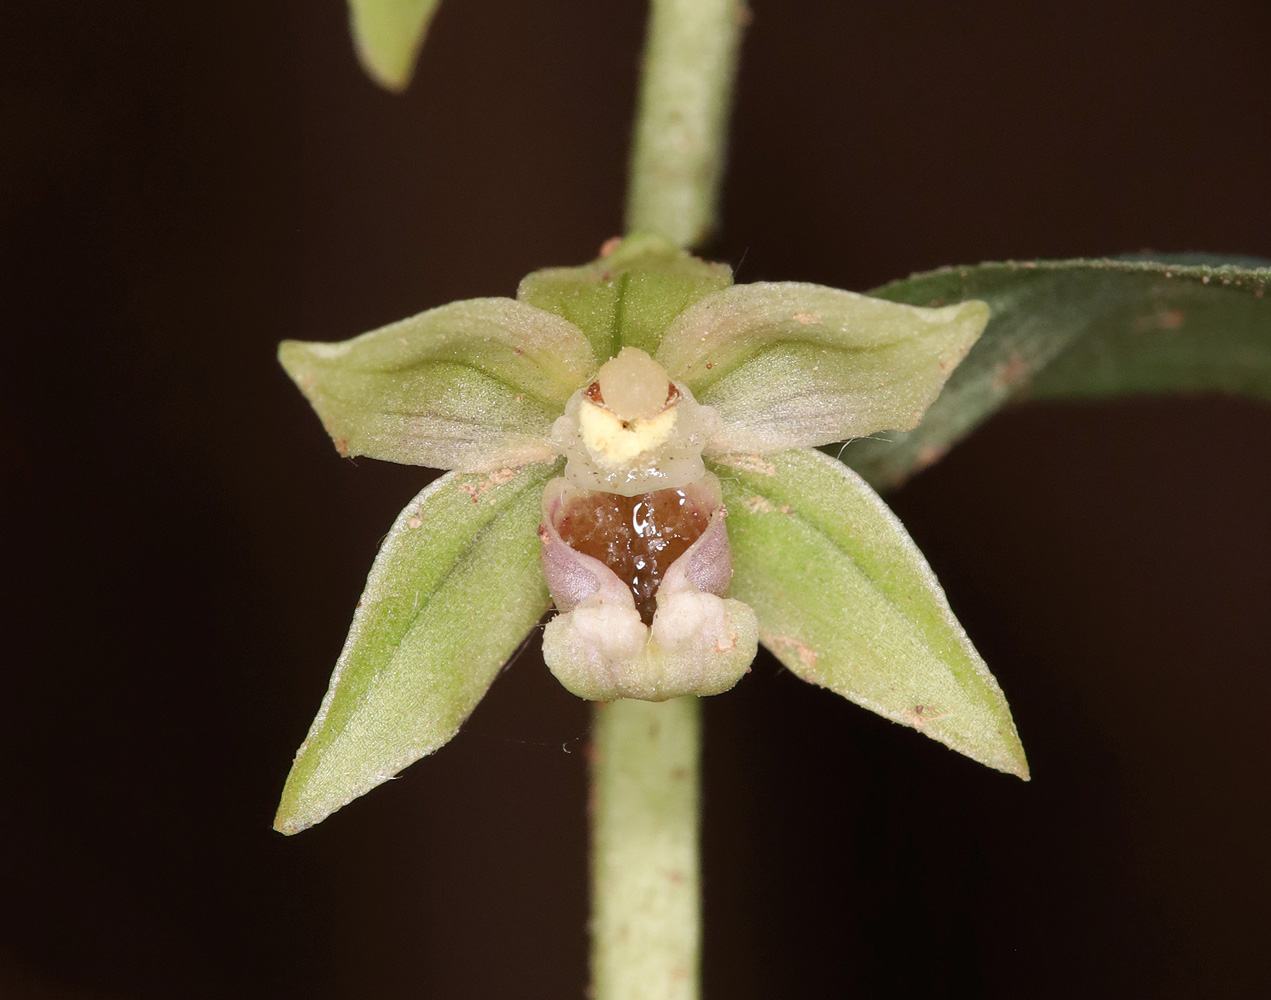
column 1084, row 328
column 472, row 385
column 455, row 588
column 387, row 35
column 627, row 298
column 845, row 600
column 788, row 364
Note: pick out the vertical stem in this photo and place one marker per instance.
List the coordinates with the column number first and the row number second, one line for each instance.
column 690, row 60
column 646, row 903
column 646, row 766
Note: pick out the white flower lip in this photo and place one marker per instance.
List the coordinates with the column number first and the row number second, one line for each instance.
column 700, row 642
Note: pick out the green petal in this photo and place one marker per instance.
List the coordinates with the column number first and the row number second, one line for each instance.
column 788, row 364
column 473, row 385
column 387, row 35
column 627, row 298
column 455, row 588
column 1083, row 329
column 846, row 600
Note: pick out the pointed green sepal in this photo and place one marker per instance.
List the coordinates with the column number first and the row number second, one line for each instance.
column 473, row 385
column 387, row 35
column 454, row 590
column 787, row 364
column 845, row 600
column 627, row 297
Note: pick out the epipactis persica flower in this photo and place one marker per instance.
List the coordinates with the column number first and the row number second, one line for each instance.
column 635, row 441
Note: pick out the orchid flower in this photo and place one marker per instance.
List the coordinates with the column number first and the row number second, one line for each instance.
column 636, row 441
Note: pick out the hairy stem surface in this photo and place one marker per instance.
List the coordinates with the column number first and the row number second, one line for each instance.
column 646, row 768
column 646, row 919
column 690, row 61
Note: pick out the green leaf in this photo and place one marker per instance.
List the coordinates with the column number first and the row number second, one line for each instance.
column 387, row 35
column 788, row 364
column 845, row 600
column 626, row 298
column 455, row 588
column 472, row 385
column 1081, row 329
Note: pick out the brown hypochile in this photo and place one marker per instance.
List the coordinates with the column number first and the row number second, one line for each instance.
column 637, row 537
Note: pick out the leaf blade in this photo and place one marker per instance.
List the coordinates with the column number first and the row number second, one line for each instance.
column 1084, row 329
column 455, row 588
column 387, row 36
column 845, row 600
column 473, row 385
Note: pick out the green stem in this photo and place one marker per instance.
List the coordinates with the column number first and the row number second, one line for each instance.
column 677, row 158
column 646, row 768
column 646, row 904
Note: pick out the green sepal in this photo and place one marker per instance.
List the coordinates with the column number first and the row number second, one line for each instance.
column 787, row 364
column 387, row 35
column 845, row 600
column 1084, row 329
column 626, row 298
column 454, row 590
column 473, row 385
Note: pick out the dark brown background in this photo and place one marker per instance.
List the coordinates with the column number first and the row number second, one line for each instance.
column 182, row 185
